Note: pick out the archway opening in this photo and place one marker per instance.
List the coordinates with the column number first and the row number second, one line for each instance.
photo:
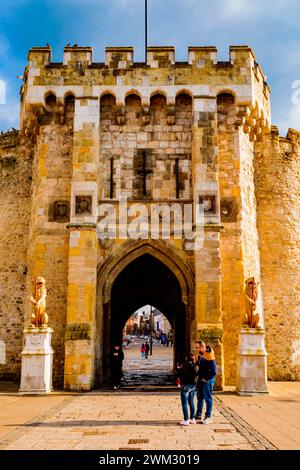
column 148, row 343
column 145, row 281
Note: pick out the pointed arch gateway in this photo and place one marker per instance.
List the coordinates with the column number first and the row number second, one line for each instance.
column 135, row 274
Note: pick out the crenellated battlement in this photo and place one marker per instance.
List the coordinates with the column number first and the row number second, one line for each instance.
column 9, row 138
column 200, row 75
column 292, row 136
column 157, row 56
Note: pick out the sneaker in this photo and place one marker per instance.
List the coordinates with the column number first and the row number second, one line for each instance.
column 192, row 421
column 185, row 423
column 115, row 387
column 198, row 418
column 207, row 420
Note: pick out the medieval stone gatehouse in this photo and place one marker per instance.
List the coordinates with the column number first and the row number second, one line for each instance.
column 195, row 132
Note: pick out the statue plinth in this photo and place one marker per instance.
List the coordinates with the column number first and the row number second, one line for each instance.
column 37, row 359
column 252, row 362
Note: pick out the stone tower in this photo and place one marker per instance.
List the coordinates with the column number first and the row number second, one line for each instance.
column 196, row 133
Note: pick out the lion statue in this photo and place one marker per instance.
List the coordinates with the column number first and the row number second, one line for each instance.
column 251, row 318
column 39, row 317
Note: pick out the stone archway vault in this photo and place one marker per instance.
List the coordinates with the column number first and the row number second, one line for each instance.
column 169, row 264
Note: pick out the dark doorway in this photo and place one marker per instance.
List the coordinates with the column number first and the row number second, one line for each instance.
column 146, row 280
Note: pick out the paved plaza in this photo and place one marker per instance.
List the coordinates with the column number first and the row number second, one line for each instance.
column 137, row 418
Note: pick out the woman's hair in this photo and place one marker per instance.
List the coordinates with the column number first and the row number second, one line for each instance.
column 190, row 358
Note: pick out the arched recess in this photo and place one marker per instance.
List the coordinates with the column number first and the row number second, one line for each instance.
column 225, row 106
column 184, row 109
column 50, row 101
column 69, row 109
column 133, row 110
column 139, row 273
column 107, row 110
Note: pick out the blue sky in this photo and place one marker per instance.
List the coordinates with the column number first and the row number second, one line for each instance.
column 270, row 27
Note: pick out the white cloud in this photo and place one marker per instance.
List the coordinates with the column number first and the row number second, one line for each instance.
column 9, row 115
column 4, row 47
column 2, row 92
column 294, row 117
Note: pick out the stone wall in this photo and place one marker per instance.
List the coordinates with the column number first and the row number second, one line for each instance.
column 15, row 185
column 231, row 236
column 148, row 132
column 277, row 178
column 239, row 242
column 48, row 236
column 164, row 135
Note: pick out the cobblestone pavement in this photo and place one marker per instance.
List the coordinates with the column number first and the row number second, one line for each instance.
column 154, row 370
column 276, row 416
column 146, row 418
column 123, row 420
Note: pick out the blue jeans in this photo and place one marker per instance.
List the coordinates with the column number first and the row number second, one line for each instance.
column 187, row 398
column 204, row 393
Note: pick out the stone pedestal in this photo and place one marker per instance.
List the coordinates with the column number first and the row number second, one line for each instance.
column 252, row 362
column 37, row 358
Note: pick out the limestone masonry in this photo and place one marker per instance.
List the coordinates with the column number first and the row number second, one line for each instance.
column 169, row 132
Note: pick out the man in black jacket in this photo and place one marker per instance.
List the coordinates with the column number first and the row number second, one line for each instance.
column 116, row 366
column 207, row 371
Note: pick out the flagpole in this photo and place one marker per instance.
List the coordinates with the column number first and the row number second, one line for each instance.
column 146, row 29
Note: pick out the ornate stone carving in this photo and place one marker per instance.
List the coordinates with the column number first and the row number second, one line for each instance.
column 229, row 210
column 39, row 317
column 83, row 205
column 120, row 115
column 146, row 116
column 251, row 318
column 61, row 210
column 171, row 115
column 209, row 204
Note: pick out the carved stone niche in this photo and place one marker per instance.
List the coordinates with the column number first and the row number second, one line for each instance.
column 83, row 205
column 209, row 204
column 59, row 211
column 146, row 116
column 120, row 115
column 171, row 115
column 229, row 209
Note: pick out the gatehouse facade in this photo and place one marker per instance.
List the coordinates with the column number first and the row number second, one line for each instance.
column 124, row 141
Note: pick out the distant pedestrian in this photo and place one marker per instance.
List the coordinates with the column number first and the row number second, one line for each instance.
column 143, row 350
column 186, row 374
column 147, row 349
column 207, row 371
column 151, row 344
column 117, row 357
